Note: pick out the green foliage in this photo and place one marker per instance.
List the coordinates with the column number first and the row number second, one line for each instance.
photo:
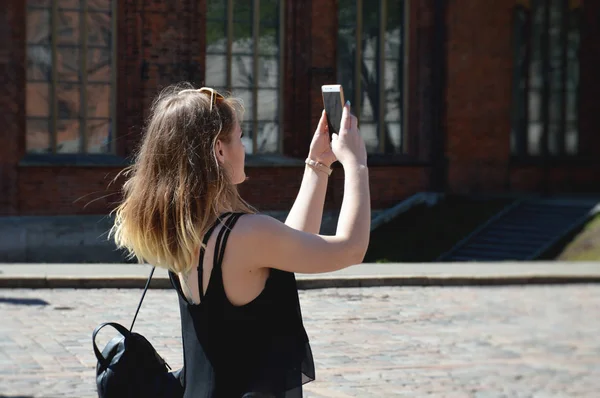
column 583, row 245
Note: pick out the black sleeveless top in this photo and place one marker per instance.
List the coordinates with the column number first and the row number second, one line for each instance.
column 256, row 350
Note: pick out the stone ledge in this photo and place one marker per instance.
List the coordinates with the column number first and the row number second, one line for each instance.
column 303, row 283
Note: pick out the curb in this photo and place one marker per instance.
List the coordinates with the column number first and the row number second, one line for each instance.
column 304, row 283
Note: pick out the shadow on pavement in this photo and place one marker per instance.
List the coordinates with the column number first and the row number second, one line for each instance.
column 16, row 396
column 21, row 301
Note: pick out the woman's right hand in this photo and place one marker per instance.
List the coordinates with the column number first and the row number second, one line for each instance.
column 348, row 146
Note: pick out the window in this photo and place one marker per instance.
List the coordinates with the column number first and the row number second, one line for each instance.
column 244, row 41
column 70, row 76
column 546, row 82
column 371, row 57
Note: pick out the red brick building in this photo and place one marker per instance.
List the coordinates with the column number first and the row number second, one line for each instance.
column 479, row 96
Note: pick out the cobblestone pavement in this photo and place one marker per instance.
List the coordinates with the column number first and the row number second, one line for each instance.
column 537, row 341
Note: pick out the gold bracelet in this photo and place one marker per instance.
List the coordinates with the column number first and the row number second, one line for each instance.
column 318, row 166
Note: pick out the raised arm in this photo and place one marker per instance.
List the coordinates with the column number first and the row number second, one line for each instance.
column 276, row 245
column 307, row 212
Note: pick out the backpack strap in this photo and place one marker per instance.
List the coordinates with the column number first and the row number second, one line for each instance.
column 142, row 299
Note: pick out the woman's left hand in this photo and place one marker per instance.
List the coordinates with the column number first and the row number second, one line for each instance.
column 320, row 146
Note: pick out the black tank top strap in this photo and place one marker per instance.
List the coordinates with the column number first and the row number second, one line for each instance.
column 202, row 249
column 216, row 277
column 222, row 240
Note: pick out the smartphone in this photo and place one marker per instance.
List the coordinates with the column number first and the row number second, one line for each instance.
column 333, row 102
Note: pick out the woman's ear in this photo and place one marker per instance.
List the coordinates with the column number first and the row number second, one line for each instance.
column 219, row 152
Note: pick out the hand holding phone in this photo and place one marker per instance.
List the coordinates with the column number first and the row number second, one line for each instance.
column 349, row 147
column 333, row 102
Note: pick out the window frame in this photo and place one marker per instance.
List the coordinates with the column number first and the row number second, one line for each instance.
column 254, row 88
column 520, row 108
column 355, row 95
column 53, row 109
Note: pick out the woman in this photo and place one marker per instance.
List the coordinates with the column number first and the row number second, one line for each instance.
column 233, row 269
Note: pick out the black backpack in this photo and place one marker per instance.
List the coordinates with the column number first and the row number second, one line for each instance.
column 129, row 366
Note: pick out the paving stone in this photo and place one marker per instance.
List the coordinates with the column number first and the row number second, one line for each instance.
column 532, row 341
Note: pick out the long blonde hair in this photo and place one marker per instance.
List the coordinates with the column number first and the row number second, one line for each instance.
column 176, row 186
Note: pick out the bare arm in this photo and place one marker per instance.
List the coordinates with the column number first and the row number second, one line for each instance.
column 292, row 250
column 267, row 243
column 307, row 212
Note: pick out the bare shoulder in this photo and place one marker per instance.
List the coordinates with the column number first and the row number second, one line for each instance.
column 254, row 232
column 266, row 242
column 269, row 243
column 255, row 227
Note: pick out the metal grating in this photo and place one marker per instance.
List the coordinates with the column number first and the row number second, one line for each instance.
column 522, row 231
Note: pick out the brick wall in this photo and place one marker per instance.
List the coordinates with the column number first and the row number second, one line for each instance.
column 67, row 190
column 589, row 112
column 389, row 185
column 162, row 42
column 271, row 188
column 420, row 75
column 478, row 94
column 158, row 43
column 12, row 102
column 478, row 104
column 78, row 190
column 574, row 179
